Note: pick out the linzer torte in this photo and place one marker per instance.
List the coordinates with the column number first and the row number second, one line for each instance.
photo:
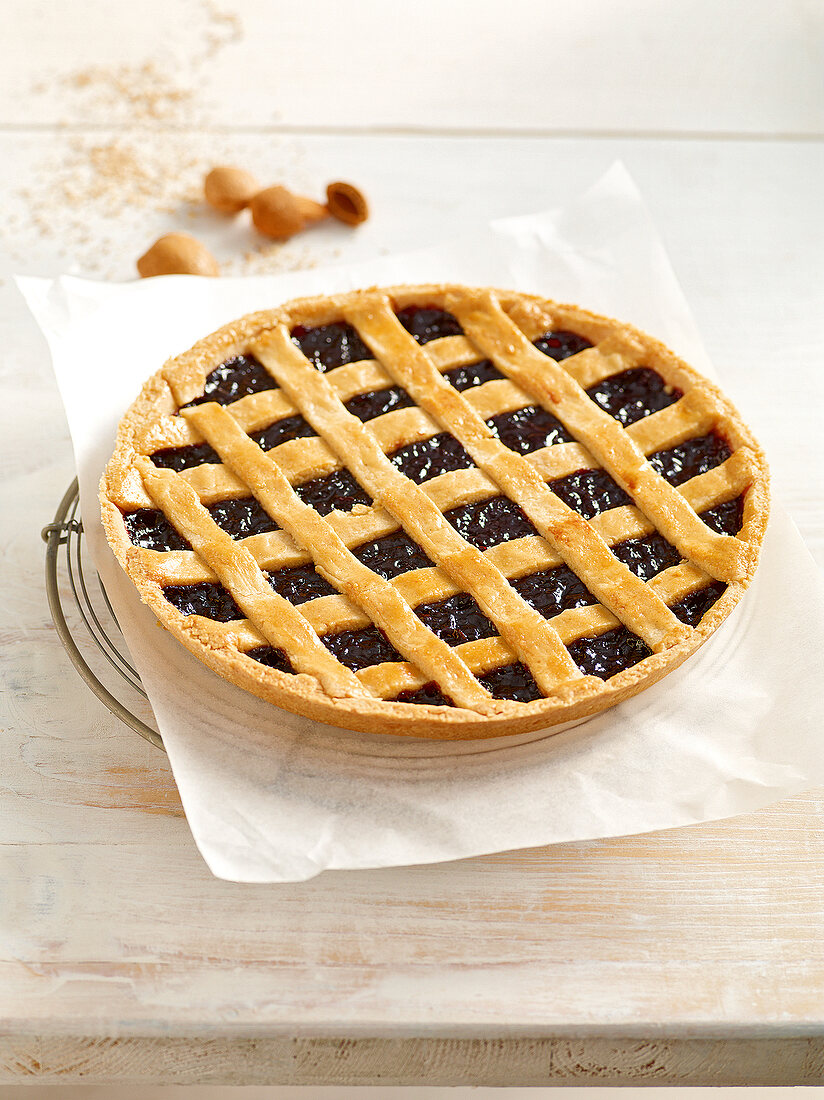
column 436, row 511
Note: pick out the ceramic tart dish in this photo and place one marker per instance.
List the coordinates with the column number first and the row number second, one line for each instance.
column 436, row 511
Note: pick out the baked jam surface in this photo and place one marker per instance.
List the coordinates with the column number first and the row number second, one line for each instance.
column 476, row 374
column 149, row 528
column 608, row 653
column 330, row 346
column 272, row 657
column 529, row 429
column 207, row 598
column 627, row 396
column 726, row 519
column 633, row 394
column 456, row 620
column 514, row 682
column 366, row 406
column 359, row 649
column 589, row 492
column 561, row 345
column 281, row 431
column 692, row 609
column 427, row 323
column 429, row 695
column 488, row 522
column 553, row 590
column 185, row 458
column 648, row 556
column 392, row 555
column 236, row 378
column 300, row 584
column 196, row 454
column 241, row 518
column 687, row 460
column 336, row 490
column 430, row 457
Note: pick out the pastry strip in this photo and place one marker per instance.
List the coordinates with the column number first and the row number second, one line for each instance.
column 486, row 324
column 277, row 550
column 276, row 619
column 389, row 679
column 270, row 415
column 309, row 457
column 528, row 633
column 381, row 601
column 567, row 532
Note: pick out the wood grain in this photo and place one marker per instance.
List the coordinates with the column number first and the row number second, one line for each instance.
column 710, row 926
column 491, row 1062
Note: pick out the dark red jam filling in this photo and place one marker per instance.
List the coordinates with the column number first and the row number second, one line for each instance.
column 281, row 431
column 426, row 323
column 589, row 492
column 184, row 458
column 456, row 620
column 196, row 454
column 476, row 374
column 241, row 518
column 560, row 345
column 726, row 519
column 529, row 429
column 211, row 600
column 514, row 682
column 628, row 397
column 234, row 379
column 366, row 406
column 336, row 490
column 488, row 522
column 359, row 649
column 648, row 556
column 330, row 346
column 553, row 591
column 300, row 584
column 392, row 555
column 633, row 394
column 149, row 528
column 692, row 609
column 429, row 695
column 430, row 457
column 608, row 653
column 690, row 459
column 274, row 658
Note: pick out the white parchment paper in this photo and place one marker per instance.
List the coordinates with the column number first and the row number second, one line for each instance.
column 271, row 797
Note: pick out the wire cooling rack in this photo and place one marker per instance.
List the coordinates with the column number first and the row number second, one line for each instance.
column 81, row 612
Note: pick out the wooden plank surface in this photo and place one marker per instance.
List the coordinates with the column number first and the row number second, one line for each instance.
column 691, row 956
column 615, row 937
column 348, row 1063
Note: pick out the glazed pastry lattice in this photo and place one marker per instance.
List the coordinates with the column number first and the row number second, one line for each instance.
column 495, row 328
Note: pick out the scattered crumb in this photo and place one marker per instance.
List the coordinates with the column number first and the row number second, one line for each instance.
column 147, row 89
column 105, row 197
column 273, row 258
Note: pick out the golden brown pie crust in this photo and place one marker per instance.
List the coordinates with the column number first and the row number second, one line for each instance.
column 499, row 326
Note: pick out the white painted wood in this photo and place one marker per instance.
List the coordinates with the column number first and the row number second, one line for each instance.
column 514, row 65
column 692, row 956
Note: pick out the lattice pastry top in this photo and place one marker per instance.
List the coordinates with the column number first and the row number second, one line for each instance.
column 436, row 511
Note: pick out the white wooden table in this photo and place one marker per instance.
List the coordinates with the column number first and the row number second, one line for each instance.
column 693, row 956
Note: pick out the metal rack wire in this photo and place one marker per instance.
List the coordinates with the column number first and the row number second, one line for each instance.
column 85, row 594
